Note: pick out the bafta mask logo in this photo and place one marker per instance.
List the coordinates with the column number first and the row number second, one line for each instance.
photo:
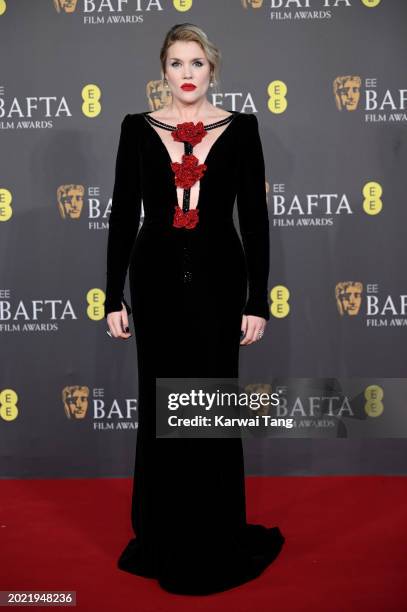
column 347, row 92
column 70, row 201
column 258, row 389
column 254, row 4
column 75, row 401
column 348, row 296
column 158, row 95
column 67, row 6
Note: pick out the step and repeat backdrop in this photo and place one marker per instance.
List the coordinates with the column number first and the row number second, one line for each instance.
column 327, row 81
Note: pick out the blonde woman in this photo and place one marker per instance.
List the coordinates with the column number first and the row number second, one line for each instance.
column 198, row 293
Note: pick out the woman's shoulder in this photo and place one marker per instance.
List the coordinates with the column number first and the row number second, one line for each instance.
column 250, row 117
column 248, row 120
column 248, row 124
column 132, row 117
column 132, row 121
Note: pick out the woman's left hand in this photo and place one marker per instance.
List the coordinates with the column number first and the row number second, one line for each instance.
column 252, row 326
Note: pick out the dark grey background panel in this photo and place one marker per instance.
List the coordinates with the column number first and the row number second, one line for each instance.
column 68, row 393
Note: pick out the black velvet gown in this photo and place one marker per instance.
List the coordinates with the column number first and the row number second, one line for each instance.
column 189, row 289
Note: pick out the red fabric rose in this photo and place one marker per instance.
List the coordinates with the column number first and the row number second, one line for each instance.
column 188, row 172
column 185, row 219
column 189, row 132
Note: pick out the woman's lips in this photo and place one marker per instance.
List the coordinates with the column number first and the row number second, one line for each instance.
column 188, row 87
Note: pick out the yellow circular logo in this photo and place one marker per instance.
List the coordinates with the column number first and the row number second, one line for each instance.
column 5, row 204
column 91, row 95
column 8, row 404
column 371, row 3
column 374, row 405
column 96, row 300
column 277, row 92
column 279, row 301
column 182, row 5
column 372, row 194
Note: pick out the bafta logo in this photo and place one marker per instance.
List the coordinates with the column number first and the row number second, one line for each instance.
column 68, row 6
column 348, row 296
column 347, row 92
column 75, row 401
column 158, row 95
column 70, row 201
column 254, row 4
column 259, row 388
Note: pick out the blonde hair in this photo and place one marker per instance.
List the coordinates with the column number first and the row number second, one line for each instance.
column 190, row 32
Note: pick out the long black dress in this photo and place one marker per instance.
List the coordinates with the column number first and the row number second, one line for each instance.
column 189, row 289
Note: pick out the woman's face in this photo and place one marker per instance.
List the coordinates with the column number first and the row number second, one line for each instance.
column 186, row 64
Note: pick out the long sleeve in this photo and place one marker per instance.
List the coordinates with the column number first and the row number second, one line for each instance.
column 124, row 215
column 253, row 218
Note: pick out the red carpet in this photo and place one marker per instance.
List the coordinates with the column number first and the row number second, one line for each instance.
column 345, row 549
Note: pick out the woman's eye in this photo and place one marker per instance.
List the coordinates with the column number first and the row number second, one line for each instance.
column 197, row 62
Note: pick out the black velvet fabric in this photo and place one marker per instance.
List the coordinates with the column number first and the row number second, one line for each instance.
column 188, row 509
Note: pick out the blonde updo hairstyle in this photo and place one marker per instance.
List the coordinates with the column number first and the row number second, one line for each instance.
column 190, row 32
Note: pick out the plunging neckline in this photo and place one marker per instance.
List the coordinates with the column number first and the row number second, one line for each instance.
column 164, row 148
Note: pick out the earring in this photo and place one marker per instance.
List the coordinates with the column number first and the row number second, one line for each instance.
column 165, row 82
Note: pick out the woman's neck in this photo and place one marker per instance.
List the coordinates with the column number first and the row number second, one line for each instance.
column 180, row 113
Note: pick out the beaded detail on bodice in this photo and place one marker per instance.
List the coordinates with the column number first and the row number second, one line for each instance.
column 188, row 170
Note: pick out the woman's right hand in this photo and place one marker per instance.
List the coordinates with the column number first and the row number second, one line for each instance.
column 118, row 323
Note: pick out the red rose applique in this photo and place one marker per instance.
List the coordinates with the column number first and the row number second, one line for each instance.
column 189, row 132
column 185, row 219
column 188, row 172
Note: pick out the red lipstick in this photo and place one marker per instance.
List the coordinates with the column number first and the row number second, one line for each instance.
column 188, row 86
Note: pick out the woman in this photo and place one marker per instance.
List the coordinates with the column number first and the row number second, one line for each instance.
column 188, row 274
